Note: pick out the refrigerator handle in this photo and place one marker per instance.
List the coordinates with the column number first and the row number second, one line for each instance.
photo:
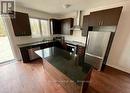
column 88, row 40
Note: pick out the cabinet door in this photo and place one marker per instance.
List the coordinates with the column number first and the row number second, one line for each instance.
column 56, row 26
column 21, row 24
column 111, row 16
column 66, row 25
column 107, row 17
column 80, row 50
column 95, row 18
column 25, row 55
column 85, row 25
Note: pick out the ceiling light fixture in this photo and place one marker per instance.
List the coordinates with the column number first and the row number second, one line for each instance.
column 66, row 6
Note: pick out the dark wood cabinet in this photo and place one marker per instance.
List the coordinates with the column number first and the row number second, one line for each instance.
column 25, row 54
column 85, row 25
column 25, row 51
column 95, row 18
column 46, row 45
column 21, row 24
column 109, row 17
column 55, row 26
column 66, row 25
column 60, row 44
column 61, row 26
column 80, row 52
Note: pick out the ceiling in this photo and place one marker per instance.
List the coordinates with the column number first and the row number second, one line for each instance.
column 56, row 6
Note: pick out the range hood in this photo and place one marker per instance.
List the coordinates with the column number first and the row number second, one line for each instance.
column 77, row 26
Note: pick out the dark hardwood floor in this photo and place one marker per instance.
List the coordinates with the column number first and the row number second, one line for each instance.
column 31, row 78
column 109, row 81
column 27, row 78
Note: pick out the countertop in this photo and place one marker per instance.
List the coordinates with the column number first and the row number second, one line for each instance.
column 49, row 41
column 34, row 43
column 65, row 62
column 75, row 43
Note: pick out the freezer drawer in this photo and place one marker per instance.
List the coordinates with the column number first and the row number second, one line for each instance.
column 93, row 60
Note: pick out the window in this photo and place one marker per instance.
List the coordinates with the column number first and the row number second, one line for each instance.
column 35, row 27
column 39, row 27
column 2, row 30
column 44, row 28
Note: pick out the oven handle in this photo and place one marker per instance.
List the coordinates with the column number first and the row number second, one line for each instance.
column 73, row 46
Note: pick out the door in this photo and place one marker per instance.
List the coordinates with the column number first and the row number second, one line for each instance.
column 6, row 53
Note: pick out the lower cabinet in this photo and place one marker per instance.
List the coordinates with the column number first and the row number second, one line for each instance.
column 80, row 52
column 25, row 54
column 58, row 44
column 28, row 53
column 32, row 54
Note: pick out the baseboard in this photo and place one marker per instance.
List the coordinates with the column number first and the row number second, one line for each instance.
column 118, row 68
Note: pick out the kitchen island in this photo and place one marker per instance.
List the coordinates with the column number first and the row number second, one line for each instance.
column 64, row 66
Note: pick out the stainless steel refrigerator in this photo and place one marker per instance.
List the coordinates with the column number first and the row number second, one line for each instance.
column 96, row 46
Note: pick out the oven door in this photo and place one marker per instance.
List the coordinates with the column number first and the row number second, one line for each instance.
column 71, row 48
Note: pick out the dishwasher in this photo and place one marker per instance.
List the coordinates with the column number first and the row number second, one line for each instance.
column 32, row 54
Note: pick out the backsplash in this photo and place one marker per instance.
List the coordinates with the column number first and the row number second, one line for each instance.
column 75, row 37
column 29, row 39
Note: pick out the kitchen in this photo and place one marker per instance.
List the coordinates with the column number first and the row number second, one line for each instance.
column 83, row 39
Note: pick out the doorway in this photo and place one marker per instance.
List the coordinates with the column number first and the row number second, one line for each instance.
column 6, row 53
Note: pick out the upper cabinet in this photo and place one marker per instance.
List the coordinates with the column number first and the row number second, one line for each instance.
column 55, row 26
column 107, row 17
column 21, row 24
column 66, row 25
column 62, row 26
column 85, row 25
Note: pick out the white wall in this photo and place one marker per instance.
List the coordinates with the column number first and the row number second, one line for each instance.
column 120, row 52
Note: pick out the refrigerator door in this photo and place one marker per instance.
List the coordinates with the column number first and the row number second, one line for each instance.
column 96, row 47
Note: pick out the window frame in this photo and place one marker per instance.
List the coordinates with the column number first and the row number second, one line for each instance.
column 40, row 26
